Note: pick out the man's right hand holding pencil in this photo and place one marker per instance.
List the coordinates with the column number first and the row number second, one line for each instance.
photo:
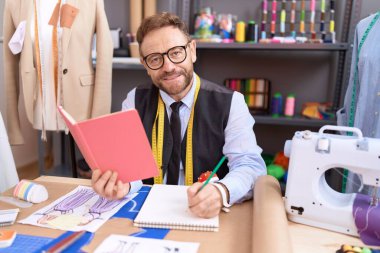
column 205, row 203
column 206, row 200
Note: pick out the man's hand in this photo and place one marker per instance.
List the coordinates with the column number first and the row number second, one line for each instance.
column 107, row 185
column 206, row 203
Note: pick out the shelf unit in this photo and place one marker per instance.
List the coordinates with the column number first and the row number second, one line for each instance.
column 294, row 121
column 134, row 63
column 270, row 47
column 314, row 71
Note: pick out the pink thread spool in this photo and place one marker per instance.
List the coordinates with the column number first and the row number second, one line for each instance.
column 289, row 105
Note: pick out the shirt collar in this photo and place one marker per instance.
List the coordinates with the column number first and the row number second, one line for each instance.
column 187, row 100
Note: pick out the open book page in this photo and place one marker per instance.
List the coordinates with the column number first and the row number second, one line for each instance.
column 166, row 207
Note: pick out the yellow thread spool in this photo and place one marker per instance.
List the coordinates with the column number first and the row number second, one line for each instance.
column 240, row 32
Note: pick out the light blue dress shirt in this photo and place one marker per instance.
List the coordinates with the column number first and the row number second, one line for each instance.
column 244, row 155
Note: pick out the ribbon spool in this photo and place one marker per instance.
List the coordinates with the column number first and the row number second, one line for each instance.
column 30, row 192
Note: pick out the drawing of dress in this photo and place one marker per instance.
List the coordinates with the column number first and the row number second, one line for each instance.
column 102, row 205
column 67, row 205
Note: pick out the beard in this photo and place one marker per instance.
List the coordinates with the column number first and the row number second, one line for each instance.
column 175, row 82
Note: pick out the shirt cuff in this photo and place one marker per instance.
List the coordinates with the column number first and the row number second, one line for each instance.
column 135, row 186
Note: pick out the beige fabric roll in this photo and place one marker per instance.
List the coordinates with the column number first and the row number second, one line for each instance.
column 135, row 11
column 150, row 8
column 270, row 225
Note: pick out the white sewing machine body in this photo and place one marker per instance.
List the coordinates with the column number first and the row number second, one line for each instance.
column 308, row 198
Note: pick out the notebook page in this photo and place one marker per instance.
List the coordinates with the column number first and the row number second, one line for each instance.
column 166, row 207
column 8, row 217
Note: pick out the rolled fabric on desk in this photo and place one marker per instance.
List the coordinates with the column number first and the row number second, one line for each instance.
column 270, row 225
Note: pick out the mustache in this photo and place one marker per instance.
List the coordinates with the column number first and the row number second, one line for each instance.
column 173, row 73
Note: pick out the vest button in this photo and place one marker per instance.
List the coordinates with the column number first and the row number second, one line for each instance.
column 65, row 71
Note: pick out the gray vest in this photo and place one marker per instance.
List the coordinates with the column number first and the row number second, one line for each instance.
column 211, row 114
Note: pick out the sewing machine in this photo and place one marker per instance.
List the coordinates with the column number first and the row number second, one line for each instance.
column 308, row 198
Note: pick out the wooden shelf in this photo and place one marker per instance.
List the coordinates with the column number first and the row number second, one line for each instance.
column 270, row 47
column 295, row 121
column 127, row 63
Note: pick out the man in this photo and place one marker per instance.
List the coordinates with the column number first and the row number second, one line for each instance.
column 217, row 119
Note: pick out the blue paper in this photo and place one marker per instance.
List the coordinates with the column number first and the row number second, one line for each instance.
column 132, row 208
column 153, row 233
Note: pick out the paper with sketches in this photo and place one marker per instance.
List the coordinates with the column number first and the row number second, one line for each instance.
column 129, row 244
column 80, row 209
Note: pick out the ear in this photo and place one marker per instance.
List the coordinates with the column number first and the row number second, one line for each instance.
column 145, row 66
column 193, row 51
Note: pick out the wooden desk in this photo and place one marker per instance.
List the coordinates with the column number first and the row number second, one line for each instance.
column 235, row 232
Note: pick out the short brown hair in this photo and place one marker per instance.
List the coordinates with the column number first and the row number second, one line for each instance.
column 158, row 21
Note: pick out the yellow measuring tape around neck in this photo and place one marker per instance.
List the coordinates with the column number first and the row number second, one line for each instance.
column 158, row 138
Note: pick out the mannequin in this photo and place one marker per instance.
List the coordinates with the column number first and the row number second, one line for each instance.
column 48, row 60
column 9, row 177
column 362, row 100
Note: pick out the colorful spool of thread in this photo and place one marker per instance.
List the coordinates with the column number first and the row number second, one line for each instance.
column 252, row 31
column 240, row 32
column 302, row 18
column 312, row 19
column 30, row 192
column 264, row 19
column 283, row 17
column 332, row 20
column 289, row 105
column 293, row 19
column 276, row 105
column 322, row 27
column 274, row 17
column 345, row 248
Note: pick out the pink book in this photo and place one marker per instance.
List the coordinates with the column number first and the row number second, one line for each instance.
column 116, row 142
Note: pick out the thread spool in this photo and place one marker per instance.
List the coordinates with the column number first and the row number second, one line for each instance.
column 289, row 105
column 252, row 32
column 276, row 105
column 240, row 32
column 30, row 192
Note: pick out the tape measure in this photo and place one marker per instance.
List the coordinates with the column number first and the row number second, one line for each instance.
column 158, row 138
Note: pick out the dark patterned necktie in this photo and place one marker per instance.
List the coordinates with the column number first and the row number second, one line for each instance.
column 175, row 158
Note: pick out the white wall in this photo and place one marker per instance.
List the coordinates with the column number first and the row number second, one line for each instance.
column 27, row 153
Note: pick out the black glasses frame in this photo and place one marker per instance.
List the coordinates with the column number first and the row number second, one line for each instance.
column 167, row 54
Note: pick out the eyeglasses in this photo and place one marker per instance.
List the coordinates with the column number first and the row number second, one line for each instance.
column 176, row 55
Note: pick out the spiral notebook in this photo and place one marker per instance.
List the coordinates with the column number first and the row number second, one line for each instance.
column 166, row 207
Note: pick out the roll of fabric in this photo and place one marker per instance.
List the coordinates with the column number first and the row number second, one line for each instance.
column 270, row 225
column 150, row 8
column 135, row 14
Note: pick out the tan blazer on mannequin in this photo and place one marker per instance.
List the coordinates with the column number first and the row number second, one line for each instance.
column 86, row 92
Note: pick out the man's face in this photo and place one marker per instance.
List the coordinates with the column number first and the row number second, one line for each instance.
column 174, row 79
